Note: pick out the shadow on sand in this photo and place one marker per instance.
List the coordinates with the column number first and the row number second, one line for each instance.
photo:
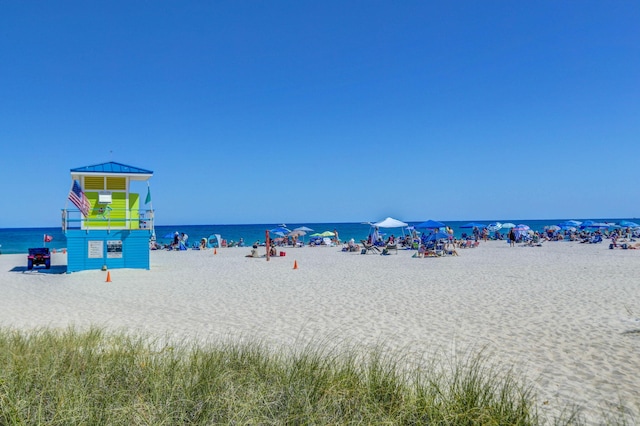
column 55, row 269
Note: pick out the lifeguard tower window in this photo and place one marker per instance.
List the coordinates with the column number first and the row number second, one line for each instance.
column 104, row 197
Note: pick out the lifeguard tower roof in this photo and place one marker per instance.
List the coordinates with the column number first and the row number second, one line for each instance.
column 113, row 168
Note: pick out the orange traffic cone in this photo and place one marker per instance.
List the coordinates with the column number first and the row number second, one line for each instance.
column 108, row 277
column 215, row 251
column 295, row 264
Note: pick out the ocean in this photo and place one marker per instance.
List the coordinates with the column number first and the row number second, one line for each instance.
column 19, row 240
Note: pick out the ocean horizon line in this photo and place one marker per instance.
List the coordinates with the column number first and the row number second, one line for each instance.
column 278, row 223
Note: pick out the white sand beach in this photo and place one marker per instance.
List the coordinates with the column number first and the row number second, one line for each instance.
column 566, row 315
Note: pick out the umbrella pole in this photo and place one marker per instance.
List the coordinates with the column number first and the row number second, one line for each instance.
column 267, row 244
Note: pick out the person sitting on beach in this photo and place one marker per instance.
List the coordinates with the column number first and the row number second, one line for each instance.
column 450, row 249
column 203, row 244
column 352, row 246
column 272, row 250
column 254, row 251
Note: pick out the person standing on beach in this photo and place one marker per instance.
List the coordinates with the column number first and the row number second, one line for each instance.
column 512, row 238
column 336, row 239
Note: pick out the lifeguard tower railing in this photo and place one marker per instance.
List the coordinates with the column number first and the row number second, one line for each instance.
column 107, row 218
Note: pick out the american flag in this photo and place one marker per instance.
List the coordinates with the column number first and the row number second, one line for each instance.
column 77, row 197
column 48, row 238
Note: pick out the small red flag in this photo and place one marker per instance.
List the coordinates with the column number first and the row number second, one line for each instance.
column 47, row 238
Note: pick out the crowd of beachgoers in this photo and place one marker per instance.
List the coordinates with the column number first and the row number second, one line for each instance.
column 434, row 241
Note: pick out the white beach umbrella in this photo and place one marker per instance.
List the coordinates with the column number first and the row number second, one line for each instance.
column 303, row 228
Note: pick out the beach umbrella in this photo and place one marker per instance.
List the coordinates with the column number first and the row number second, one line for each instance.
column 430, row 224
column 304, row 228
column 508, row 225
column 299, row 232
column 521, row 229
column 552, row 228
column 390, row 223
column 570, row 223
column 280, row 230
column 327, row 234
column 629, row 224
column 494, row 226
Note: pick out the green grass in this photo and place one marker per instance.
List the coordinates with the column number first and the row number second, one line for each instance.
column 98, row 378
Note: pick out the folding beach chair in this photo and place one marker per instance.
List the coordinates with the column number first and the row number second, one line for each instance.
column 369, row 248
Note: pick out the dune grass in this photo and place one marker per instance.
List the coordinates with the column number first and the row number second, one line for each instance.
column 94, row 377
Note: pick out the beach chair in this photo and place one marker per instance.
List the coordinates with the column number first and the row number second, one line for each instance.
column 390, row 247
column 369, row 248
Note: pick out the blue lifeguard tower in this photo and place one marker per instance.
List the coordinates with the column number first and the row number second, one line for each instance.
column 107, row 228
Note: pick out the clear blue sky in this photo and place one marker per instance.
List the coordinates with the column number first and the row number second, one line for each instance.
column 325, row 111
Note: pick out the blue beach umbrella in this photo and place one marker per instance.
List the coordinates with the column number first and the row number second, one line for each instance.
column 566, row 227
column 430, row 224
column 570, row 223
column 629, row 224
column 280, row 230
column 508, row 225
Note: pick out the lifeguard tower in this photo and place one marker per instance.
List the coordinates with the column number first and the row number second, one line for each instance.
column 108, row 228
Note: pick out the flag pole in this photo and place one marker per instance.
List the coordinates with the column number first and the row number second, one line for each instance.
column 151, row 213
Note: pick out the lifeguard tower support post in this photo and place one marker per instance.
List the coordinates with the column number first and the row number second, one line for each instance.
column 113, row 231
